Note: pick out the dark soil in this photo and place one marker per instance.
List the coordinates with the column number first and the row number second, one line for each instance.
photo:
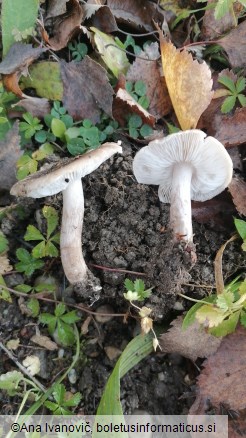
column 125, row 227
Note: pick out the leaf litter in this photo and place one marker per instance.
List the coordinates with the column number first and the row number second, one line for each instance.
column 186, row 88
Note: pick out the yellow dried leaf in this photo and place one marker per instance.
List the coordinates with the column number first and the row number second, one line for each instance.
column 4, row 264
column 13, row 344
column 189, row 84
column 146, row 325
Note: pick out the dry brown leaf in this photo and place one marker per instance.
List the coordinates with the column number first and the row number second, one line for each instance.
column 228, row 129
column 37, row 106
column 16, row 63
column 189, row 84
column 237, row 189
column 9, row 153
column 65, row 26
column 4, row 264
column 124, row 104
column 56, row 7
column 101, row 17
column 44, row 341
column 222, row 380
column 212, row 28
column 13, row 344
column 237, row 424
column 19, row 57
column 149, row 72
column 191, row 343
column 136, row 13
column 235, row 45
column 87, row 90
column 217, row 211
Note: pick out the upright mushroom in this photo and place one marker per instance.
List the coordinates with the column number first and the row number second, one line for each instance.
column 65, row 177
column 187, row 165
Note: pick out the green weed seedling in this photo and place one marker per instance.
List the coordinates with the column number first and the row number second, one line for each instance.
column 241, row 229
column 223, row 7
column 62, row 400
column 27, row 263
column 30, row 126
column 138, row 92
column 61, row 324
column 234, row 91
column 78, row 50
column 4, row 293
column 137, row 128
column 136, row 290
column 32, row 303
column 220, row 314
column 15, row 383
column 46, row 247
column 29, row 164
column 3, row 243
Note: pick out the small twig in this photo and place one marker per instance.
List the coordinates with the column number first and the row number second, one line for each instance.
column 125, row 271
column 198, row 285
column 22, row 368
column 138, row 34
column 40, row 296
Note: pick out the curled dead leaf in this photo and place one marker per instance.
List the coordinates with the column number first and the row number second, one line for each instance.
column 65, row 26
column 237, row 189
column 44, row 341
column 148, row 71
column 137, row 13
column 192, row 343
column 124, row 104
column 189, row 83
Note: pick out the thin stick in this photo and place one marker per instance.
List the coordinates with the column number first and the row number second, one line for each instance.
column 40, row 296
column 125, row 271
column 199, row 285
column 22, row 368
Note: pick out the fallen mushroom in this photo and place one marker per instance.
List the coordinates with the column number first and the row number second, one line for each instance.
column 65, row 177
column 186, row 165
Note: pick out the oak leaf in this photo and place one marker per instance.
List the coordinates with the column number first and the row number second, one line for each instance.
column 189, row 84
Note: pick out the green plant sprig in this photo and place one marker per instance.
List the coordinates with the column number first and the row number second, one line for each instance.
column 234, row 91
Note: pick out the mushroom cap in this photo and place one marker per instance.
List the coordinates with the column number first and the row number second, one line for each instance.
column 57, row 177
column 210, row 163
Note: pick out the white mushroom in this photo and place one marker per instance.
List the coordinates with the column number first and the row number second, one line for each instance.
column 65, row 177
column 187, row 165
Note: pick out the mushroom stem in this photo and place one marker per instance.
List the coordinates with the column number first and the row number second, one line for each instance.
column 180, row 209
column 72, row 222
